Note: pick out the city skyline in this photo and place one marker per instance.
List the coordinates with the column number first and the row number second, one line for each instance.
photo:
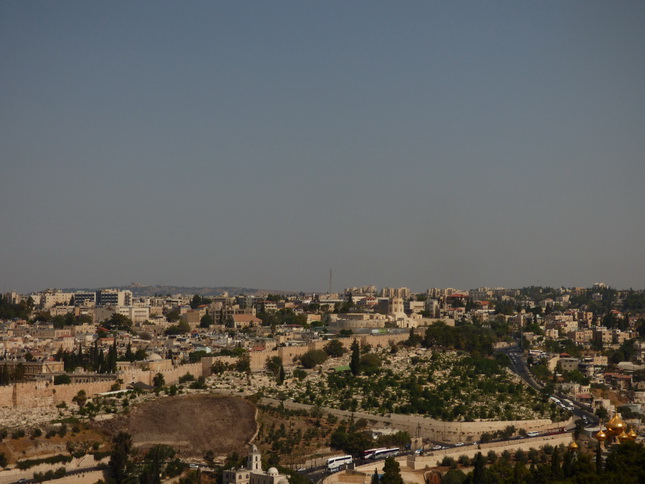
column 255, row 145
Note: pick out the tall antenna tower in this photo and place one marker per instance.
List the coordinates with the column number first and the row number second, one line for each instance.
column 329, row 281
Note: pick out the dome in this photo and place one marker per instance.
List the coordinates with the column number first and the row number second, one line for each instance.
column 154, row 357
column 573, row 445
column 623, row 437
column 272, row 471
column 601, row 436
column 616, row 426
column 631, row 434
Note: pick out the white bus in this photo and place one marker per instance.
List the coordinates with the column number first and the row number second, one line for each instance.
column 369, row 453
column 383, row 453
column 335, row 463
column 532, row 434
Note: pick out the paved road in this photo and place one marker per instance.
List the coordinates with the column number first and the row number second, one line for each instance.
column 519, row 366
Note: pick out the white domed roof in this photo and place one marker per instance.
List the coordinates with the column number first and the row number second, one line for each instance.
column 154, row 357
column 272, row 471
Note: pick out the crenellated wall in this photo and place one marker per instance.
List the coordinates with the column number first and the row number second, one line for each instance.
column 290, row 354
column 46, row 394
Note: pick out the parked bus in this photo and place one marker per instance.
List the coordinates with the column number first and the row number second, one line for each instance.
column 335, row 463
column 383, row 453
column 532, row 434
column 369, row 453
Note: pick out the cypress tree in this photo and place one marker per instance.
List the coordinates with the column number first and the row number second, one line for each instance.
column 355, row 362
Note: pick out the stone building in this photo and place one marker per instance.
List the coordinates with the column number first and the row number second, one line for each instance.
column 253, row 473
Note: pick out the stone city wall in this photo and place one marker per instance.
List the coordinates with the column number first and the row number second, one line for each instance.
column 46, row 394
column 290, row 354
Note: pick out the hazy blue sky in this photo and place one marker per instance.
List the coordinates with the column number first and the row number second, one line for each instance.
column 417, row 144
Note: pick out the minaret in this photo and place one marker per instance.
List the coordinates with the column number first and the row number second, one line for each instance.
column 254, row 460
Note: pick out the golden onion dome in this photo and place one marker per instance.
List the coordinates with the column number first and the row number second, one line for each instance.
column 573, row 445
column 601, row 436
column 632, row 435
column 616, row 426
column 623, row 437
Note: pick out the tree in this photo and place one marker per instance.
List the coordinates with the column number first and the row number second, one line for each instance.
column 243, row 364
column 273, row 364
column 206, row 321
column 335, row 348
column 156, row 459
column 281, row 376
column 627, row 460
column 182, row 328
column 479, row 475
column 158, row 381
column 173, row 315
column 120, row 457
column 80, row 398
column 355, row 361
column 370, row 364
column 391, row 472
column 118, row 322
column 63, row 379
column 313, row 358
column 601, row 412
column 218, row 367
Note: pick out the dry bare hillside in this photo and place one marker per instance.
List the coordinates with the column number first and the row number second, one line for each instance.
column 192, row 424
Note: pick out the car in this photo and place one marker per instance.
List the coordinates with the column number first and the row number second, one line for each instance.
column 437, row 447
column 459, row 444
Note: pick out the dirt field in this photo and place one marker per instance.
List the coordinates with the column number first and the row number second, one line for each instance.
column 192, row 424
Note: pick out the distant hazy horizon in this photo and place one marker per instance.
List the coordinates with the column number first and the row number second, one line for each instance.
column 259, row 144
column 199, row 289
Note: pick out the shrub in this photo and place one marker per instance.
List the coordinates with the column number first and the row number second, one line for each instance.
column 55, row 459
column 299, row 373
column 186, row 378
column 448, row 461
column 313, row 358
column 492, row 456
column 62, row 380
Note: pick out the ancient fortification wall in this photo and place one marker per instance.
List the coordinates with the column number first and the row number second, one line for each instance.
column 45, row 394
column 290, row 354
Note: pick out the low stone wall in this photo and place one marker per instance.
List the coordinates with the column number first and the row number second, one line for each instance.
column 429, row 428
column 433, row 459
column 14, row 475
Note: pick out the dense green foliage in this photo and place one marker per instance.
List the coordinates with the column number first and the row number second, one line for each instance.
column 55, row 459
column 466, row 337
column 15, row 311
column 444, row 385
column 313, row 358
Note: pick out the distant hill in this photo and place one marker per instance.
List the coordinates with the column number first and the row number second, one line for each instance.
column 144, row 290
